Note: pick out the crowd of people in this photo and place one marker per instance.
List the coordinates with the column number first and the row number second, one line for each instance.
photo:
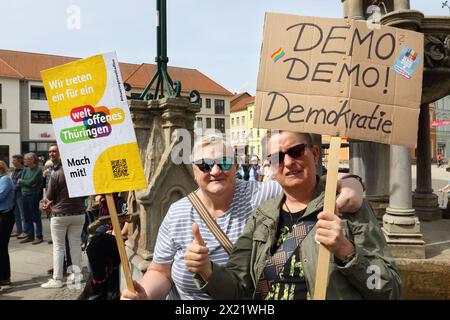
column 271, row 214
column 34, row 189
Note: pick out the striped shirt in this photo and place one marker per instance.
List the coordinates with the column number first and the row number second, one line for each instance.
column 175, row 232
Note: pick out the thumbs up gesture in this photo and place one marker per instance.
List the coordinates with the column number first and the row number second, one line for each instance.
column 196, row 256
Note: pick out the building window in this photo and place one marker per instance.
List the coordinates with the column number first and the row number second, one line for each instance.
column 2, row 116
column 40, row 117
column 237, row 120
column 208, row 123
column 243, row 120
column 257, row 133
column 38, row 93
column 251, row 115
column 208, row 103
column 201, row 102
column 0, row 93
column 4, row 154
column 199, row 122
column 232, row 136
column 232, row 121
column 219, row 106
column 220, row 124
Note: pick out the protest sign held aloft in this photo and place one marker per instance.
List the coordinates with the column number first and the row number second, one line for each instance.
column 93, row 127
column 338, row 77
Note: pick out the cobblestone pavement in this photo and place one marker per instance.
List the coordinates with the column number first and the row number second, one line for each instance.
column 29, row 265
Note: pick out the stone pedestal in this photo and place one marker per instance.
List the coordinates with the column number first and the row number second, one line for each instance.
column 157, row 125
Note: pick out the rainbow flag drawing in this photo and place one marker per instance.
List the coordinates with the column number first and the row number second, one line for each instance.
column 277, row 55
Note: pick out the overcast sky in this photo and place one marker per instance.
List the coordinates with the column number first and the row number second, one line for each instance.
column 220, row 38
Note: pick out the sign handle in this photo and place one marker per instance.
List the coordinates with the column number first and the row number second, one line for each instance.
column 119, row 241
column 323, row 259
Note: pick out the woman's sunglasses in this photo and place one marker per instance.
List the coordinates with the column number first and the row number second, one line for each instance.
column 206, row 165
column 295, row 153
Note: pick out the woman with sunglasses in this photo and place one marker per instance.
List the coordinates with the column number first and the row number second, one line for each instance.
column 276, row 256
column 230, row 201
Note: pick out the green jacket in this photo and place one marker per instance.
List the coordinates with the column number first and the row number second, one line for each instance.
column 355, row 280
column 31, row 180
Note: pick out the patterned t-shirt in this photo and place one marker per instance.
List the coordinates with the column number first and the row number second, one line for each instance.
column 175, row 233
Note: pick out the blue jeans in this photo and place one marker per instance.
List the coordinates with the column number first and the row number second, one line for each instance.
column 18, row 213
column 32, row 215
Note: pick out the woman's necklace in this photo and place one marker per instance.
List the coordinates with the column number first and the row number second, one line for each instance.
column 290, row 215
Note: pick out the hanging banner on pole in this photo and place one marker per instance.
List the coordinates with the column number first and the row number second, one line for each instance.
column 93, row 126
column 338, row 77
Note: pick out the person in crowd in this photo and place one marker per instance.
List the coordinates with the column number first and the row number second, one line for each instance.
column 104, row 259
column 67, row 218
column 17, row 161
column 31, row 183
column 267, row 170
column 53, row 164
column 253, row 171
column 276, row 256
column 6, row 222
column 229, row 201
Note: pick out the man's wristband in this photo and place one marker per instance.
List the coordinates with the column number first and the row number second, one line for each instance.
column 356, row 177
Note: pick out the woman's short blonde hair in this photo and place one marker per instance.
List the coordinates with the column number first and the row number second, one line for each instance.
column 208, row 140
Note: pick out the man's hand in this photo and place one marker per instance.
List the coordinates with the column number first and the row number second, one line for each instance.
column 196, row 256
column 330, row 234
column 140, row 293
column 47, row 206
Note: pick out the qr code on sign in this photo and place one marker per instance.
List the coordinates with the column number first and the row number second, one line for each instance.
column 119, row 168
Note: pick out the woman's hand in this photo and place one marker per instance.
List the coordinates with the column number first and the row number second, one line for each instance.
column 139, row 293
column 196, row 256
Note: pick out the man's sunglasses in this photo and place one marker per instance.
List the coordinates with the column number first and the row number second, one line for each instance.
column 206, row 165
column 295, row 153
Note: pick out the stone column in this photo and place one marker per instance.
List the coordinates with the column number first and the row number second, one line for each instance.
column 353, row 9
column 400, row 225
column 425, row 201
column 401, row 5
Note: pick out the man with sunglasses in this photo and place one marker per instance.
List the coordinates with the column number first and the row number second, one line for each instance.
column 228, row 200
column 276, row 256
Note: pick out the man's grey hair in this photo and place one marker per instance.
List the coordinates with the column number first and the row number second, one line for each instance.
column 208, row 140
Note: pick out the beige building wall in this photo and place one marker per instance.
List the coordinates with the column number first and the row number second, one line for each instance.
column 255, row 135
column 239, row 128
column 38, row 131
column 10, row 117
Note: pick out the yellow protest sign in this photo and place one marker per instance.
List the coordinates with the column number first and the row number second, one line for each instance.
column 93, row 126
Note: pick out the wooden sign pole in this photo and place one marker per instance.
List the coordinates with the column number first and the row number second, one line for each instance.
column 119, row 241
column 323, row 259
